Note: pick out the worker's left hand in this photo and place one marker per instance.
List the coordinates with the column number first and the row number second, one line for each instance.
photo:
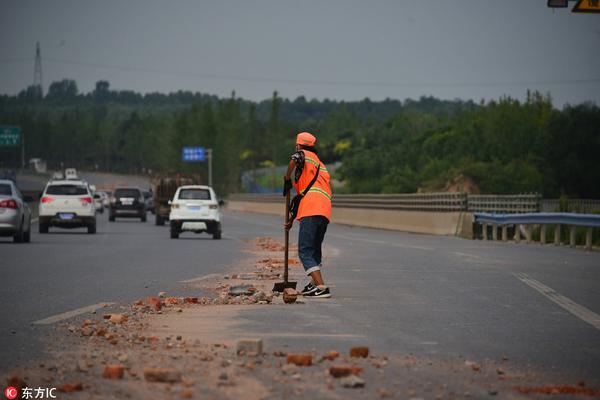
column 287, row 185
column 288, row 225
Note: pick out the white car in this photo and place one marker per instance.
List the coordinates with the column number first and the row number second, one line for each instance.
column 15, row 215
column 98, row 202
column 195, row 209
column 67, row 204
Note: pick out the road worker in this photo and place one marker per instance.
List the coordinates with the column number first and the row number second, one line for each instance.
column 313, row 207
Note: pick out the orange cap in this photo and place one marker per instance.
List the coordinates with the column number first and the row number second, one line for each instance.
column 306, row 139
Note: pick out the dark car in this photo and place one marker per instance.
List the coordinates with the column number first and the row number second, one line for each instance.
column 127, row 202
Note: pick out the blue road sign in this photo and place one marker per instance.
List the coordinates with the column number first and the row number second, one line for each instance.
column 193, row 154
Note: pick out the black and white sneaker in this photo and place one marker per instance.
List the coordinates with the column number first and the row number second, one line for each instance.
column 308, row 289
column 319, row 294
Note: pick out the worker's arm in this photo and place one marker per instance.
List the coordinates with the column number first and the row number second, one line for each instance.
column 287, row 179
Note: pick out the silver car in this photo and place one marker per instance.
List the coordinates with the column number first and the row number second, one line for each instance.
column 15, row 214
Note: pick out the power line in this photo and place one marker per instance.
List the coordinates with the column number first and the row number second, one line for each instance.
column 204, row 75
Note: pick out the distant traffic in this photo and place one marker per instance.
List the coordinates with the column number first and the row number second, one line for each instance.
column 69, row 201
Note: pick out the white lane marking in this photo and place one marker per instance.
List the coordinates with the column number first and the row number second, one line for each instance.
column 382, row 242
column 70, row 314
column 458, row 253
column 202, row 278
column 578, row 310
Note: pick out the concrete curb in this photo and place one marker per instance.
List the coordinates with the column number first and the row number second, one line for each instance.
column 427, row 222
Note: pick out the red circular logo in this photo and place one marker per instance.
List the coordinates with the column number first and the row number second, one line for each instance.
column 11, row 393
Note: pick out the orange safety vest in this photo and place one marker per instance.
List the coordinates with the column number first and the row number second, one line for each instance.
column 318, row 199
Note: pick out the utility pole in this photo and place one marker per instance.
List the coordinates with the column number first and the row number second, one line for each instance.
column 209, row 159
column 37, row 71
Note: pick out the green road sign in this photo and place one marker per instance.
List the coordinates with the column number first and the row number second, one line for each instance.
column 10, row 135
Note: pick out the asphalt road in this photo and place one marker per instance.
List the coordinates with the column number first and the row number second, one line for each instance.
column 396, row 292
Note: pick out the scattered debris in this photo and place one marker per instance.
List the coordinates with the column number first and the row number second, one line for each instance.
column 164, row 375
column 559, row 389
column 249, row 347
column 290, row 295
column 70, row 387
column 330, row 356
column 340, row 371
column 113, row 371
column 352, row 381
column 117, row 318
column 473, row 365
column 301, row 360
column 240, row 290
column 359, row 352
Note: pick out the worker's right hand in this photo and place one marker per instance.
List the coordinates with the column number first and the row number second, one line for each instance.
column 287, row 185
column 288, row 225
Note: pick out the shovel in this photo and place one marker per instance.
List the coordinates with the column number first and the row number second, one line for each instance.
column 280, row 286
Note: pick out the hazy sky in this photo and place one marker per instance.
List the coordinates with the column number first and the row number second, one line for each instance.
column 339, row 49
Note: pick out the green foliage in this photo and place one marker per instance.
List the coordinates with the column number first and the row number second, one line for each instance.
column 504, row 146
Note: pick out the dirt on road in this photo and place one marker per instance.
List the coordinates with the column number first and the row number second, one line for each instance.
column 167, row 347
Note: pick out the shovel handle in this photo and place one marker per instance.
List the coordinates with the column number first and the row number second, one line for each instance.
column 287, row 237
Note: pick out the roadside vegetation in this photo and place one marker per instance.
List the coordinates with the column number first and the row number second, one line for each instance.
column 501, row 146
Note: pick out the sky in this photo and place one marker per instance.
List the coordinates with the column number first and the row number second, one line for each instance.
column 336, row 49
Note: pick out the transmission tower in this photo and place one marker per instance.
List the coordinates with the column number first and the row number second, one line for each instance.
column 37, row 72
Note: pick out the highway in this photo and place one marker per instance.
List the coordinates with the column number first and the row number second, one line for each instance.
column 397, row 292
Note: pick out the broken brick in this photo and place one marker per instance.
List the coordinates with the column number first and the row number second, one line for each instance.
column 70, row 388
column 87, row 331
column 359, row 352
column 339, row 371
column 191, row 300
column 113, row 371
column 301, row 360
column 332, row 355
column 117, row 318
column 164, row 375
column 250, row 347
column 171, row 301
column 290, row 295
column 154, row 302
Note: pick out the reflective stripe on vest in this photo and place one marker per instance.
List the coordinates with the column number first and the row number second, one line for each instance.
column 321, row 191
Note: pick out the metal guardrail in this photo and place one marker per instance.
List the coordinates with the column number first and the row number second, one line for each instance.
column 589, row 220
column 527, row 220
column 454, row 201
column 415, row 202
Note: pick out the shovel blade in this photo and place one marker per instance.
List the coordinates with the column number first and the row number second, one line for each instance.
column 280, row 286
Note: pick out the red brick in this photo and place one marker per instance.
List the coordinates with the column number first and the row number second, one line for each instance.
column 361, row 352
column 154, row 302
column 332, row 355
column 114, row 371
column 339, row 371
column 302, row 360
column 117, row 318
column 191, row 300
column 70, row 388
column 171, row 301
column 289, row 295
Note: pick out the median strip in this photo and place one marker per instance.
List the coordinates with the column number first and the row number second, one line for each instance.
column 578, row 310
column 70, row 314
